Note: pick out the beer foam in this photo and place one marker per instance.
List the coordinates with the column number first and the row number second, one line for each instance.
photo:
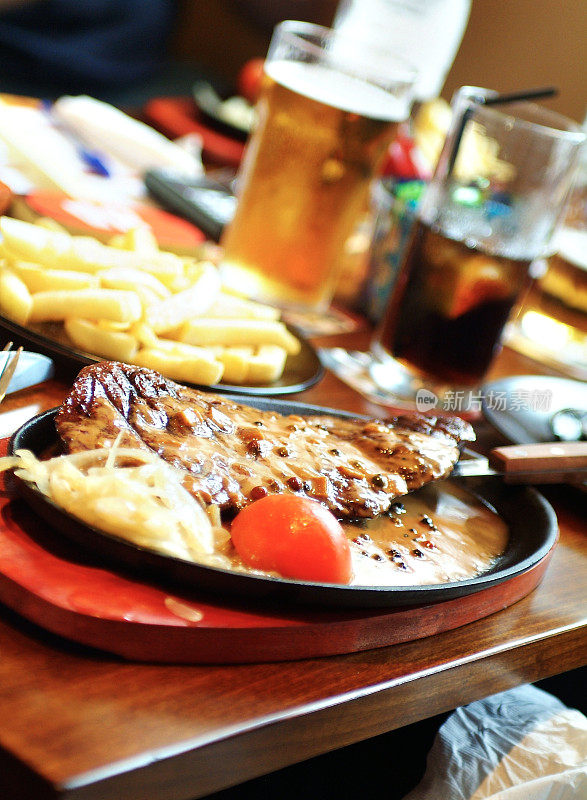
column 348, row 93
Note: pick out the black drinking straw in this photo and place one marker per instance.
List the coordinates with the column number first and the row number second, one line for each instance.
column 498, row 99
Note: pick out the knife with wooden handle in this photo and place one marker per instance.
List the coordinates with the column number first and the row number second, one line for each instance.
column 551, row 462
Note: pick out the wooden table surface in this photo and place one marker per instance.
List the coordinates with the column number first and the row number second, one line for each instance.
column 78, row 723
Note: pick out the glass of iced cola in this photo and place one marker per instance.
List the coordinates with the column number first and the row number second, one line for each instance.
column 484, row 224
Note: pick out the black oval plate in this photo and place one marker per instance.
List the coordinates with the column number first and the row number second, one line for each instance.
column 205, row 97
column 520, row 407
column 301, row 371
column 531, row 520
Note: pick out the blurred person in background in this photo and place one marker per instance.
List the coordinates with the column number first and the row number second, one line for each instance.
column 120, row 51
column 98, row 47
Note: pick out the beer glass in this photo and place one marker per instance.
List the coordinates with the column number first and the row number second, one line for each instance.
column 552, row 324
column 484, row 222
column 324, row 124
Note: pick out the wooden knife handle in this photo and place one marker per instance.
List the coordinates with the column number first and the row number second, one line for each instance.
column 555, row 456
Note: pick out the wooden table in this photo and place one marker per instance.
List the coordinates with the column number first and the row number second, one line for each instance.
column 77, row 723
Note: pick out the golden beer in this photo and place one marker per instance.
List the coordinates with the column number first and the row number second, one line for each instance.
column 552, row 324
column 562, row 292
column 304, row 181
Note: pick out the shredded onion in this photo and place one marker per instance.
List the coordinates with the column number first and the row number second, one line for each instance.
column 144, row 503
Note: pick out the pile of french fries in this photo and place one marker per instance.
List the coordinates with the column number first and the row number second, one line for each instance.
column 130, row 301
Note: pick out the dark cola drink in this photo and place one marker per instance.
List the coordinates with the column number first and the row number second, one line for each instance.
column 450, row 305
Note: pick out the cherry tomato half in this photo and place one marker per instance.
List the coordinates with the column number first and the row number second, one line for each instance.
column 249, row 79
column 294, row 536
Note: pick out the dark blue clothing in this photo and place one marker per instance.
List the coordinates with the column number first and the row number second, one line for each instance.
column 55, row 47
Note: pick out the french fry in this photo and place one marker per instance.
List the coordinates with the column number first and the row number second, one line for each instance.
column 138, row 240
column 263, row 364
column 228, row 306
column 149, row 340
column 15, row 299
column 192, row 268
column 93, row 338
column 132, row 302
column 182, row 306
column 147, row 297
column 25, row 241
column 109, row 325
column 127, row 278
column 50, row 224
column 236, row 363
column 41, row 279
column 267, row 364
column 145, row 335
column 88, row 252
column 181, row 349
column 202, row 369
column 118, row 240
column 28, row 242
column 207, row 331
column 176, row 283
column 112, row 304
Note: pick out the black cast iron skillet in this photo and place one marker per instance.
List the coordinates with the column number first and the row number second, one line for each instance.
column 530, row 518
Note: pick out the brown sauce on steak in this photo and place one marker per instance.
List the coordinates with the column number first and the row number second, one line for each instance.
column 232, row 454
column 438, row 534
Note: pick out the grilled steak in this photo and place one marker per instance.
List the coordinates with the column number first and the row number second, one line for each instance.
column 233, row 454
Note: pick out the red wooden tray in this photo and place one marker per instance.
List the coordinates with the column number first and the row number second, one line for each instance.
column 61, row 589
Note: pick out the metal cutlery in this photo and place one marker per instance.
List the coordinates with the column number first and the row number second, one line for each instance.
column 551, row 462
column 8, row 368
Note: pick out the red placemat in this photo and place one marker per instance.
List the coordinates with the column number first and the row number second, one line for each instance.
column 54, row 584
column 104, row 220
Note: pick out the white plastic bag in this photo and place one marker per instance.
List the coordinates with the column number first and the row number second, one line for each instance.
column 523, row 744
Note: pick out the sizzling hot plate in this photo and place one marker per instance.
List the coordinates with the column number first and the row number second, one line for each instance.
column 531, row 520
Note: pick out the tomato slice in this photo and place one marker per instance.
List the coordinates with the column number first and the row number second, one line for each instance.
column 294, row 536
